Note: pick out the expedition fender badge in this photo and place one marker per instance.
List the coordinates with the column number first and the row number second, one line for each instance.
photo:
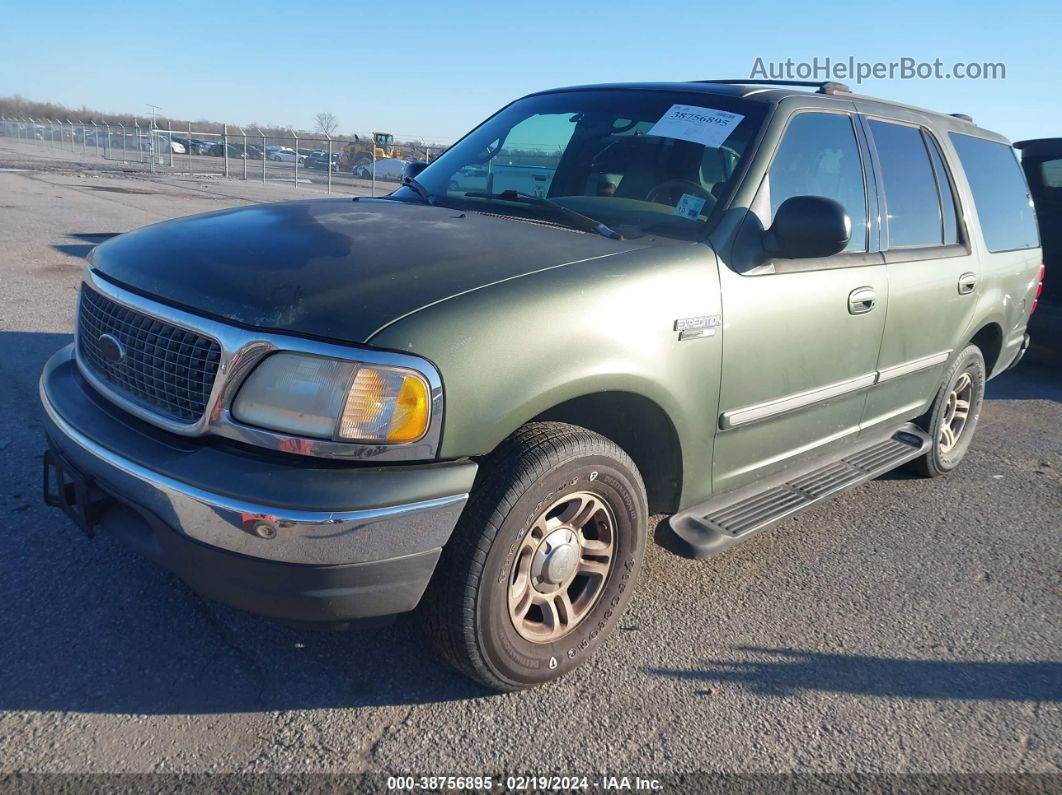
column 693, row 328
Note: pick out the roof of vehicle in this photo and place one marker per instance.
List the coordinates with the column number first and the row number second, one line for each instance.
column 1040, row 147
column 773, row 92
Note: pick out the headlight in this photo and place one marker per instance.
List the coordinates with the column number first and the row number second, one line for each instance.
column 335, row 399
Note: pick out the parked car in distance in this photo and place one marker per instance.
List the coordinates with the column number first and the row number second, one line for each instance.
column 387, row 168
column 728, row 302
column 196, row 146
column 286, row 155
column 236, row 150
column 530, row 179
column 148, row 143
column 201, row 147
column 321, row 161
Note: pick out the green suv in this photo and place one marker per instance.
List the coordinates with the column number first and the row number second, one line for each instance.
column 721, row 300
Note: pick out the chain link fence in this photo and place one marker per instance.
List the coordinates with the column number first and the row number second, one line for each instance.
column 251, row 154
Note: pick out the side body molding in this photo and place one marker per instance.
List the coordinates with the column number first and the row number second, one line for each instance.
column 757, row 412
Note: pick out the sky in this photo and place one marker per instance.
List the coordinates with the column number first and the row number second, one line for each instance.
column 432, row 70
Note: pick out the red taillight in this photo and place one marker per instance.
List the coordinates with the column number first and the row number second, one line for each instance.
column 1039, row 288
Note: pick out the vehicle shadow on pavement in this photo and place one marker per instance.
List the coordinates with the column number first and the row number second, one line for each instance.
column 1038, row 376
column 89, row 626
column 81, row 250
column 788, row 671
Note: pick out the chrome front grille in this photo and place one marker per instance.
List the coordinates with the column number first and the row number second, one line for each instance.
column 168, row 369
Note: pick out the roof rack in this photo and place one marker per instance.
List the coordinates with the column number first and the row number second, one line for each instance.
column 827, row 87
column 962, row 116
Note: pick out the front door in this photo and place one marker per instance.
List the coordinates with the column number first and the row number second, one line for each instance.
column 801, row 337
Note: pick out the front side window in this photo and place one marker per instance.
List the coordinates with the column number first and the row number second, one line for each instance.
column 911, row 198
column 641, row 162
column 1000, row 193
column 819, row 156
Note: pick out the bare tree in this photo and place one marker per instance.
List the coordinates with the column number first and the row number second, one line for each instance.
column 325, row 123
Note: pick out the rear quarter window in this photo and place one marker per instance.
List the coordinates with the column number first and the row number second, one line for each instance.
column 1000, row 193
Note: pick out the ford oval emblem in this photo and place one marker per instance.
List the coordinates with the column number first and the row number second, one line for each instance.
column 111, row 349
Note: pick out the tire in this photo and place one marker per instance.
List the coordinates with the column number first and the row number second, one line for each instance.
column 948, row 447
column 543, row 468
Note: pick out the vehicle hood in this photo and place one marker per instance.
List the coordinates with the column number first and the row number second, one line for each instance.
column 334, row 268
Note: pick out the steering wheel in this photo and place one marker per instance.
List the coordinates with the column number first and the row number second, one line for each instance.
column 666, row 190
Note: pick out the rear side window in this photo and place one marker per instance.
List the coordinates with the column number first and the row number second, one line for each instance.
column 1051, row 171
column 999, row 192
column 911, row 198
column 819, row 156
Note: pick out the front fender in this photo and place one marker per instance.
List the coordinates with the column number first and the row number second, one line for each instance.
column 511, row 351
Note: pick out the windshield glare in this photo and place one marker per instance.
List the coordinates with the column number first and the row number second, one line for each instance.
column 597, row 152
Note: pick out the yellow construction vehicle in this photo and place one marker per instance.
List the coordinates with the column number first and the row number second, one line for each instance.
column 362, row 150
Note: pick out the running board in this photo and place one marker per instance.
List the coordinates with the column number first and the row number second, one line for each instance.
column 718, row 524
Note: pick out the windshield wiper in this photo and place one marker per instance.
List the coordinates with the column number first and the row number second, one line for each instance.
column 420, row 190
column 576, row 219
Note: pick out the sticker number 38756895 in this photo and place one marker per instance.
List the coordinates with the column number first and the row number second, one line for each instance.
column 699, row 125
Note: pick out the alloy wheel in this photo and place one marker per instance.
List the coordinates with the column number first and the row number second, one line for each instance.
column 956, row 412
column 561, row 567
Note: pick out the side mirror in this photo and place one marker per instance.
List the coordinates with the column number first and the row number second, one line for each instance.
column 411, row 169
column 808, row 226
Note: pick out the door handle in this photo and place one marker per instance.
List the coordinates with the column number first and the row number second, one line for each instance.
column 861, row 300
column 967, row 282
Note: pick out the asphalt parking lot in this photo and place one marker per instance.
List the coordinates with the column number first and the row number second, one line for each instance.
column 906, row 626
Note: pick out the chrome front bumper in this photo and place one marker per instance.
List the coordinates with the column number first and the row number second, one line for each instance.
column 241, row 508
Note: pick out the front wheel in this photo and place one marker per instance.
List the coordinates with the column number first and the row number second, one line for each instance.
column 952, row 419
column 544, row 559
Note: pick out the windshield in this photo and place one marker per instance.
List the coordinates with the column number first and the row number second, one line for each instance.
column 642, row 162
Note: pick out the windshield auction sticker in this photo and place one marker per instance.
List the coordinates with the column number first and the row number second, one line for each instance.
column 698, row 125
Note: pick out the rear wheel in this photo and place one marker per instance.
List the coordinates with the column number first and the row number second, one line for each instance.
column 952, row 420
column 544, row 559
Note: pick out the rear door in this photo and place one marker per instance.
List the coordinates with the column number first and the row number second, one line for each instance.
column 933, row 271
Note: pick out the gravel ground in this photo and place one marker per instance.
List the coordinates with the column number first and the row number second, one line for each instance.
column 906, row 626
